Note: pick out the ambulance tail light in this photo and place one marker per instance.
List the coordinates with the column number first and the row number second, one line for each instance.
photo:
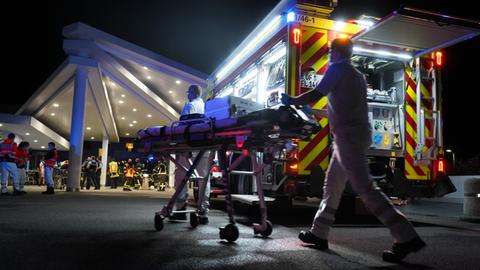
column 441, row 166
column 292, row 164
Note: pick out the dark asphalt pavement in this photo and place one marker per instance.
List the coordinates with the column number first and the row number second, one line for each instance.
column 114, row 230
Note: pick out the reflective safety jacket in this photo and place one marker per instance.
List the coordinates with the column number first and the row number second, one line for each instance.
column 7, row 150
column 22, row 156
column 51, row 158
column 129, row 170
column 113, row 169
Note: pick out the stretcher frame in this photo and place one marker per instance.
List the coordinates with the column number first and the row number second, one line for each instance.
column 255, row 136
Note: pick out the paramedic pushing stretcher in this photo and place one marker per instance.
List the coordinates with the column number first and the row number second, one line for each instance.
column 345, row 88
column 195, row 105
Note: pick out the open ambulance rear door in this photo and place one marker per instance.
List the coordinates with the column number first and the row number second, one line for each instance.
column 417, row 31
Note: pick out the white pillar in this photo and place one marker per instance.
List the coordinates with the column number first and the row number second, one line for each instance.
column 76, row 128
column 103, row 175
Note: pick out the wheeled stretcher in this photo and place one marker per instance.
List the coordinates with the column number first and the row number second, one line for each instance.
column 260, row 131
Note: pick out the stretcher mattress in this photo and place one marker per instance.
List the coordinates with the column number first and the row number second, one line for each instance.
column 285, row 122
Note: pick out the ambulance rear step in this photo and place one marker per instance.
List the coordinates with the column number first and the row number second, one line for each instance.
column 250, row 199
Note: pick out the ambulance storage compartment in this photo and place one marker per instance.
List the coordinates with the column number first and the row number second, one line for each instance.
column 385, row 98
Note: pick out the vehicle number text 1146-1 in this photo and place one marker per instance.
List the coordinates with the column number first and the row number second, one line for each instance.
column 305, row 18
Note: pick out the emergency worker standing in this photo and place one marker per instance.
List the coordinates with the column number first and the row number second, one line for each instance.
column 50, row 162
column 345, row 88
column 22, row 154
column 195, row 105
column 8, row 147
column 113, row 172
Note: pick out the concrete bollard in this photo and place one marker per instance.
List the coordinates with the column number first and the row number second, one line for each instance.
column 471, row 202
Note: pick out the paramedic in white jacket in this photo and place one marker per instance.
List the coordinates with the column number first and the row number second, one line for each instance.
column 346, row 90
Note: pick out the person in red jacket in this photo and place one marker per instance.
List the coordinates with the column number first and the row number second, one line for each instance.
column 50, row 162
column 22, row 154
column 7, row 162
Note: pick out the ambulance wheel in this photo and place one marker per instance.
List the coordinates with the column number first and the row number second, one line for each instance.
column 194, row 220
column 229, row 233
column 158, row 222
column 264, row 233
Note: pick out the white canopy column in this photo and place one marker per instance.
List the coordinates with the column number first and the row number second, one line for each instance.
column 103, row 175
column 78, row 121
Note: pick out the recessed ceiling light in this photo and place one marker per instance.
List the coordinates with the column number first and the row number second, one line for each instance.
column 178, row 82
column 112, row 84
column 178, row 102
column 35, row 140
column 89, row 128
column 52, row 114
column 149, row 115
column 127, row 134
column 134, row 109
column 43, row 147
column 134, row 121
column 149, row 77
column 144, row 67
column 123, row 95
column 1, row 125
column 123, row 117
column 170, row 91
column 56, row 105
column 131, row 125
column 120, row 101
column 28, row 134
column 92, row 138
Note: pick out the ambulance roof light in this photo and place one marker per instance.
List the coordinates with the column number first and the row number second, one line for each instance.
column 290, row 16
column 382, row 52
column 251, row 45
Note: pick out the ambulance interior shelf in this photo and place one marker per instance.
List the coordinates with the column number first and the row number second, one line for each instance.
column 263, row 81
column 385, row 98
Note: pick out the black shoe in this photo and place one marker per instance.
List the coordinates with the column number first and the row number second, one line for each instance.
column 23, row 192
column 203, row 220
column 309, row 238
column 17, row 193
column 401, row 250
column 5, row 194
column 126, row 189
column 49, row 191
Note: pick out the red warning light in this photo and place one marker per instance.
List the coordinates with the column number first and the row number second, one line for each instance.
column 438, row 58
column 296, row 32
column 441, row 167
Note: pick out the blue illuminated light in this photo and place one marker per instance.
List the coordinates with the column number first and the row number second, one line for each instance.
column 291, row 16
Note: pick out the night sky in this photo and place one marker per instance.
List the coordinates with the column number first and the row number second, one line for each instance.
column 201, row 34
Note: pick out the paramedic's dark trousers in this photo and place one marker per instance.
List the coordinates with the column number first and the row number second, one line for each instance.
column 349, row 163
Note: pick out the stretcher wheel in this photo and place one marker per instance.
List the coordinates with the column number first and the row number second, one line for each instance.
column 158, row 222
column 266, row 232
column 229, row 233
column 194, row 220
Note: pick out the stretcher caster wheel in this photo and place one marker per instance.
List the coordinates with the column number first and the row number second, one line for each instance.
column 158, row 222
column 194, row 220
column 229, row 233
column 264, row 233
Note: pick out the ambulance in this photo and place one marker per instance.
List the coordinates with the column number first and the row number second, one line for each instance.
column 401, row 57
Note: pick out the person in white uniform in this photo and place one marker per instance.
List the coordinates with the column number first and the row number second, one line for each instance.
column 195, row 105
column 346, row 89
